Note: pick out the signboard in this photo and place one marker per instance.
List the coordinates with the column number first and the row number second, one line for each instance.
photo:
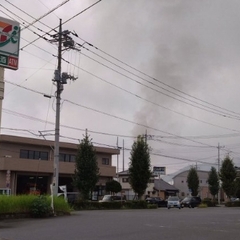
column 159, row 170
column 9, row 43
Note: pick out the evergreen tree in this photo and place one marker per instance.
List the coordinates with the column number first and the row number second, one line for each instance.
column 139, row 166
column 213, row 182
column 193, row 181
column 237, row 187
column 228, row 175
column 86, row 169
column 113, row 186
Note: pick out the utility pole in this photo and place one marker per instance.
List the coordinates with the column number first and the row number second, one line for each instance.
column 60, row 78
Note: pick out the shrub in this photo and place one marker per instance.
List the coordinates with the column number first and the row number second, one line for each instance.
column 40, row 207
column 203, row 205
column 232, row 204
column 209, row 202
column 152, row 206
column 86, row 205
column 112, row 205
column 60, row 205
column 136, row 205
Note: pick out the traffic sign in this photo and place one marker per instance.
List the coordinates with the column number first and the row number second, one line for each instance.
column 159, row 170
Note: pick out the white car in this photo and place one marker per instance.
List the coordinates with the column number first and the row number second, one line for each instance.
column 173, row 202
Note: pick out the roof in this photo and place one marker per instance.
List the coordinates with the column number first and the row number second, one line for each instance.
column 160, row 184
column 42, row 142
column 123, row 173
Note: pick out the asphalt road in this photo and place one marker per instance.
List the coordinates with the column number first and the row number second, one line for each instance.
column 198, row 223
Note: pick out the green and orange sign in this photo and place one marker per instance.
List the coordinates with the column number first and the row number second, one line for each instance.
column 9, row 43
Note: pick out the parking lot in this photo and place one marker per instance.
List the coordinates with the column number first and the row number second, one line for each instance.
column 198, row 223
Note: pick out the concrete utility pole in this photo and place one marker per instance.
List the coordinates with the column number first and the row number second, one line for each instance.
column 59, row 78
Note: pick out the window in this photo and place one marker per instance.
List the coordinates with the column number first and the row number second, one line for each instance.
column 63, row 157
column 23, row 153
column 44, row 156
column 72, row 158
column 125, row 179
column 31, row 154
column 105, row 161
column 36, row 154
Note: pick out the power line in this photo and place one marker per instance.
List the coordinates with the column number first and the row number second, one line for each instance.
column 116, row 117
column 48, row 8
column 38, row 19
column 165, row 94
column 157, row 80
column 179, row 113
column 178, row 144
column 202, row 136
column 212, row 110
column 62, row 24
column 151, row 88
column 28, row 29
column 82, row 11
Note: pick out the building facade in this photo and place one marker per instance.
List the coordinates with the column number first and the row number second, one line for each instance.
column 180, row 182
column 155, row 187
column 26, row 165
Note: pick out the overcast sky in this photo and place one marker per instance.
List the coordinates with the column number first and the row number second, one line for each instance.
column 166, row 68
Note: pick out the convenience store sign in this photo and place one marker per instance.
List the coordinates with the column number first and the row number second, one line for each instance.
column 9, row 43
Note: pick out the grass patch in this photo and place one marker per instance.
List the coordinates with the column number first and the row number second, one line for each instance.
column 203, row 205
column 152, row 206
column 24, row 204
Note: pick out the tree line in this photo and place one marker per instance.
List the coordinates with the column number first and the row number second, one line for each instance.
column 227, row 179
column 86, row 174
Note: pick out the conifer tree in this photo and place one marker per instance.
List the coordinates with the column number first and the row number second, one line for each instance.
column 86, row 169
column 193, row 181
column 139, row 166
column 213, row 182
column 228, row 176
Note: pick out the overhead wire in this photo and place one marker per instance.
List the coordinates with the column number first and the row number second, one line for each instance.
column 48, row 8
column 28, row 29
column 62, row 24
column 221, row 114
column 155, row 79
column 97, row 48
column 38, row 19
column 166, row 108
column 120, row 118
column 114, row 116
column 205, row 108
column 99, row 1
column 144, row 99
column 225, row 115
